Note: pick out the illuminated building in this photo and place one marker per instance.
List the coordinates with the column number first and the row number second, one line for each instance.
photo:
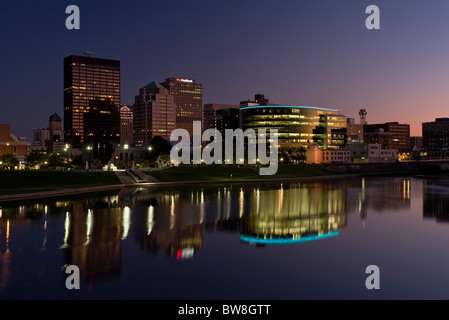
column 298, row 126
column 188, row 97
column 154, row 114
column 391, row 135
column 91, row 100
column 336, row 156
column 126, row 125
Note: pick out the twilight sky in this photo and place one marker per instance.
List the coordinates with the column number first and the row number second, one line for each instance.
column 299, row 52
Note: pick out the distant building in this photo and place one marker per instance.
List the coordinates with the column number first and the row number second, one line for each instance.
column 220, row 116
column 391, row 135
column 40, row 136
column 10, row 144
column 188, row 98
column 154, row 114
column 336, row 156
column 354, row 131
column 377, row 154
column 91, row 100
column 371, row 153
column 126, row 125
column 259, row 100
column 314, row 155
column 435, row 135
column 416, row 143
column 50, row 139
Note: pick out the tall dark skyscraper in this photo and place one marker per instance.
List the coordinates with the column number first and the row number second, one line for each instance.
column 188, row 99
column 91, row 100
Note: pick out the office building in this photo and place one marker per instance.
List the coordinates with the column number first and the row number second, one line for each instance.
column 354, row 131
column 391, row 135
column 435, row 135
column 154, row 114
column 220, row 117
column 188, row 95
column 91, row 100
column 126, row 125
column 50, row 139
column 298, row 126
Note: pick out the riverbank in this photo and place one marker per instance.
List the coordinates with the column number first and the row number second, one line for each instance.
column 17, row 185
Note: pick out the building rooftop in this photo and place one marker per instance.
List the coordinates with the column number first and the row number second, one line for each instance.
column 55, row 117
column 154, row 85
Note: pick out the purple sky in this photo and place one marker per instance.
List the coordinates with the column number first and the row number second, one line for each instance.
column 315, row 53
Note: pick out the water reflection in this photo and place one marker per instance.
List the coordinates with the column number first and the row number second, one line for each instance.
column 174, row 220
column 436, row 199
column 295, row 214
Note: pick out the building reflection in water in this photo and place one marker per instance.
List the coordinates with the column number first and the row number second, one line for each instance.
column 92, row 239
column 436, row 199
column 298, row 213
column 173, row 220
column 378, row 195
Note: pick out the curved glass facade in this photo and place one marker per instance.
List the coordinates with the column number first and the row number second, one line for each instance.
column 297, row 126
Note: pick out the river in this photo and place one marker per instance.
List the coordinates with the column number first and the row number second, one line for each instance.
column 281, row 241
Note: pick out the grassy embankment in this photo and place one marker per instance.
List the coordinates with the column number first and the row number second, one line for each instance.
column 15, row 182
column 232, row 172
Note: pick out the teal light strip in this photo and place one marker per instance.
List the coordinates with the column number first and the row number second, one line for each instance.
column 290, row 107
column 287, row 240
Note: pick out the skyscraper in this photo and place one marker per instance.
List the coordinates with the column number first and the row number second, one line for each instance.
column 91, row 100
column 126, row 125
column 154, row 114
column 188, row 99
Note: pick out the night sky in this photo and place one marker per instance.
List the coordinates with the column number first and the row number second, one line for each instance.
column 315, row 53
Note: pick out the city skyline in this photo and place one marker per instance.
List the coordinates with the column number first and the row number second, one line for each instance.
column 295, row 52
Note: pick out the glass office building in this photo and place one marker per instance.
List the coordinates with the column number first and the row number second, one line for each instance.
column 298, row 126
column 91, row 100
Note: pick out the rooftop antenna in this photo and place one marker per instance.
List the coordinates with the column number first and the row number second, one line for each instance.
column 88, row 53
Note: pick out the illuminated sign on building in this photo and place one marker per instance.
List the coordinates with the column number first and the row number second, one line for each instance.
column 184, row 80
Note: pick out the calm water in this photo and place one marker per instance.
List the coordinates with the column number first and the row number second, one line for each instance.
column 295, row 241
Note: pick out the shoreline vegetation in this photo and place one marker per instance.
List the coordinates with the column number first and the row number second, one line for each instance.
column 21, row 184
